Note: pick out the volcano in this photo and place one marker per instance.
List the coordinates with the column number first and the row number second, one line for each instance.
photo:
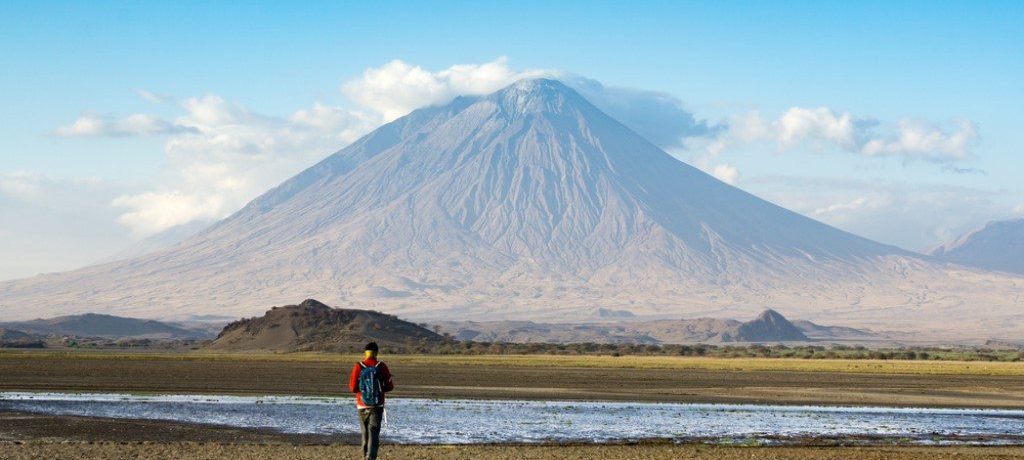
column 528, row 203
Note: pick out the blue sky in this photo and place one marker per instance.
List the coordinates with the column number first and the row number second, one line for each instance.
column 938, row 85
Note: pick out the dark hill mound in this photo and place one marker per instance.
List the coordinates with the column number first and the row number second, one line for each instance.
column 313, row 326
column 769, row 326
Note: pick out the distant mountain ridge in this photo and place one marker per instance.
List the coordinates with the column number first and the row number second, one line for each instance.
column 768, row 327
column 528, row 204
column 100, row 325
column 999, row 245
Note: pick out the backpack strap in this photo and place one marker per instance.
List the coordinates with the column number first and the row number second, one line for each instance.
column 361, row 364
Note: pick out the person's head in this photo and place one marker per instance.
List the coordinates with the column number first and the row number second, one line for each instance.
column 370, row 350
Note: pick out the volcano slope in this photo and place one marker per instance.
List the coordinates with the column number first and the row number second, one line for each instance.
column 529, row 203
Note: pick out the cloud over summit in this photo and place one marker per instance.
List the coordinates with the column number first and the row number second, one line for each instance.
column 397, row 88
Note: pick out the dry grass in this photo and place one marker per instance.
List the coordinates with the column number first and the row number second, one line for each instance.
column 558, row 361
column 666, row 379
column 733, row 364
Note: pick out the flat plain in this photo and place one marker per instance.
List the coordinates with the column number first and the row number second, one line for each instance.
column 665, row 379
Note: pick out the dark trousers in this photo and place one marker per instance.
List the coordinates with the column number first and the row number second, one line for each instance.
column 369, row 423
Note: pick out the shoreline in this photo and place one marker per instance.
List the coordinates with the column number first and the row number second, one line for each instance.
column 569, row 400
column 21, row 427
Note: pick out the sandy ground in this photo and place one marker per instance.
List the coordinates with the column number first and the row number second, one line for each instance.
column 22, row 426
column 421, row 379
column 29, row 436
column 106, row 450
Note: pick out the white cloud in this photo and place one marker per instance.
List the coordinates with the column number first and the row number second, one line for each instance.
column 21, row 183
column 85, row 125
column 799, row 125
column 153, row 212
column 398, row 88
column 152, row 97
column 213, row 110
column 932, row 142
column 90, row 125
column 229, row 155
column 334, row 122
column 726, row 173
column 912, row 216
column 659, row 117
column 825, row 129
column 841, row 212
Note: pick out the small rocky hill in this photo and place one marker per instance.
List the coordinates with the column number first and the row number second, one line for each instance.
column 769, row 326
column 108, row 326
column 314, row 326
column 10, row 338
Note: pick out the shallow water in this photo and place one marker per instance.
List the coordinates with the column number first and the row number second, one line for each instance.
column 426, row 421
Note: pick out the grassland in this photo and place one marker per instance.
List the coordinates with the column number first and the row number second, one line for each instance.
column 666, row 379
column 863, row 366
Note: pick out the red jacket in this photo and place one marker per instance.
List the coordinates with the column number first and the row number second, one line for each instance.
column 385, row 379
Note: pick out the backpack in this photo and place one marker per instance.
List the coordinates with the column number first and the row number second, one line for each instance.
column 370, row 388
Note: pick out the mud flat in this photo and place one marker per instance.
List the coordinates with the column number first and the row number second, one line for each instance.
column 189, row 450
column 30, row 436
column 473, row 421
column 33, row 436
column 664, row 379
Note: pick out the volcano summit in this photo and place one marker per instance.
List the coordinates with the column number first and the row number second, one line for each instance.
column 528, row 203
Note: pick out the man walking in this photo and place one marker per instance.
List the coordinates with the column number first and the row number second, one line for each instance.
column 370, row 379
